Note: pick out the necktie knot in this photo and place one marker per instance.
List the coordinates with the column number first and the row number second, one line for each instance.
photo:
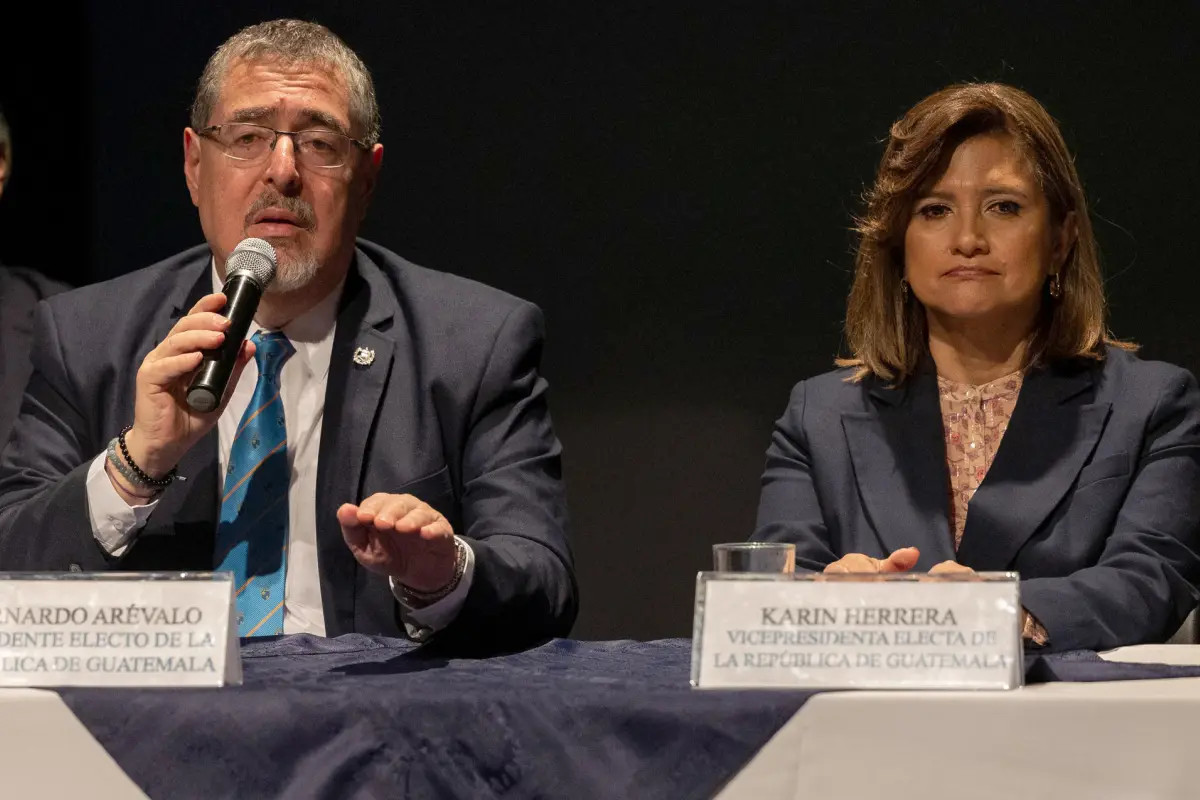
column 271, row 351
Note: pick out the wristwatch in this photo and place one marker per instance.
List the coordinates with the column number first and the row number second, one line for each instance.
column 417, row 599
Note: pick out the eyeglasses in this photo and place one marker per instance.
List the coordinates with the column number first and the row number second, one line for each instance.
column 243, row 141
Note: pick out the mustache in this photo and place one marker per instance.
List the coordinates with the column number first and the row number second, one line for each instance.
column 293, row 205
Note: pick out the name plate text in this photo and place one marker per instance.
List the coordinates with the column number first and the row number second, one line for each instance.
column 117, row 629
column 879, row 632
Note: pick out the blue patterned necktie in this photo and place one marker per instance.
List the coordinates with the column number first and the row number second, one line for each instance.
column 253, row 534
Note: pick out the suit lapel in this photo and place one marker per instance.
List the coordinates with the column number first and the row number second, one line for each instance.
column 899, row 460
column 192, row 502
column 191, row 505
column 1050, row 436
column 352, row 398
column 204, row 455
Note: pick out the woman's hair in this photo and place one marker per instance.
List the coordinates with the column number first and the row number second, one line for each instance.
column 887, row 334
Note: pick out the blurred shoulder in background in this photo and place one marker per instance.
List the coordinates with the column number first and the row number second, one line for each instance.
column 20, row 290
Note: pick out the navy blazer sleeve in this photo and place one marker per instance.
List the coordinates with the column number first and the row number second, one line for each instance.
column 513, row 505
column 43, row 503
column 789, row 509
column 1143, row 583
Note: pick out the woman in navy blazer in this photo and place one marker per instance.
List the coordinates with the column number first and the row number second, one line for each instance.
column 977, row 276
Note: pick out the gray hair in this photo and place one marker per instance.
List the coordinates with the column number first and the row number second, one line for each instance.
column 291, row 42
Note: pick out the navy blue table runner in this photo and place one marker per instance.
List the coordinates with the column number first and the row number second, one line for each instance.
column 379, row 718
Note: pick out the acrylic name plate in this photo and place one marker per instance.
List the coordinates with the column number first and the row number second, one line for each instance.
column 118, row 629
column 908, row 631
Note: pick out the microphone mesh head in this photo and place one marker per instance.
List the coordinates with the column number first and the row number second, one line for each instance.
column 254, row 258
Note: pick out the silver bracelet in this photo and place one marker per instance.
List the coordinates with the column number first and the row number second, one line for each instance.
column 412, row 597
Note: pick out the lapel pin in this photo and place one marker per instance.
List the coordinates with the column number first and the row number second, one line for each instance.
column 364, row 356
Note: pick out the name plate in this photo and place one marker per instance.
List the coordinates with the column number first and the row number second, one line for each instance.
column 855, row 631
column 118, row 629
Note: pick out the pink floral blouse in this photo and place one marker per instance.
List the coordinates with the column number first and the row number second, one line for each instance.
column 974, row 419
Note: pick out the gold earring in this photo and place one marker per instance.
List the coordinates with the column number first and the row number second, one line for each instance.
column 1055, row 286
column 904, row 289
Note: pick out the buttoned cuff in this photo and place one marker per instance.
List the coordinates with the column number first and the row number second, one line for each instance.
column 421, row 623
column 114, row 522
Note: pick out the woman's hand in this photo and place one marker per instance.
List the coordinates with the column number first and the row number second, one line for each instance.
column 901, row 560
column 948, row 567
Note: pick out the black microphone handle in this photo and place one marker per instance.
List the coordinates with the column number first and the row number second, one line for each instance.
column 208, row 385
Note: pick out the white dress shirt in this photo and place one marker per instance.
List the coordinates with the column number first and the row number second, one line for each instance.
column 303, row 381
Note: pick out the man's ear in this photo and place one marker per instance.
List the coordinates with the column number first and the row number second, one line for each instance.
column 3, row 168
column 191, row 163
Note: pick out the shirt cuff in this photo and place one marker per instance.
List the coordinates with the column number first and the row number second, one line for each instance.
column 114, row 522
column 421, row 623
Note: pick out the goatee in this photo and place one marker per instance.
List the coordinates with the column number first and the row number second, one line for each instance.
column 293, row 270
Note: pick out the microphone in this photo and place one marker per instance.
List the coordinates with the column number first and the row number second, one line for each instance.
column 250, row 268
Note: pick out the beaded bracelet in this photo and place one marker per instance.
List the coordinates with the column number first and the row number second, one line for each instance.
column 142, row 479
column 115, row 463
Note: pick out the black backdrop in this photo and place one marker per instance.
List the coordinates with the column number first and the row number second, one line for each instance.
column 672, row 183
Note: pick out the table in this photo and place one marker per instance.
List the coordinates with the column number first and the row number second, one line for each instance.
column 366, row 717
column 36, row 730
column 1120, row 740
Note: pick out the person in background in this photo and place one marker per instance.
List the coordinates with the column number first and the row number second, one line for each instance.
column 384, row 460
column 20, row 290
column 986, row 419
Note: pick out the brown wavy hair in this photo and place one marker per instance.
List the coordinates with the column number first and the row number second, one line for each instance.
column 886, row 334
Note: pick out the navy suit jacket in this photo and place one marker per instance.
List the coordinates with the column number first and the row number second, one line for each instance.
column 452, row 410
column 1093, row 496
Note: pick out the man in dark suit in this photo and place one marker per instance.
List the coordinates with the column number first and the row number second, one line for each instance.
column 20, row 291
column 384, row 460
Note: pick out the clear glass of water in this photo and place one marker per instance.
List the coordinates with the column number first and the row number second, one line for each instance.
column 755, row 557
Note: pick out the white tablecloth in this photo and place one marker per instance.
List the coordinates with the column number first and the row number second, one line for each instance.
column 46, row 753
column 1121, row 740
